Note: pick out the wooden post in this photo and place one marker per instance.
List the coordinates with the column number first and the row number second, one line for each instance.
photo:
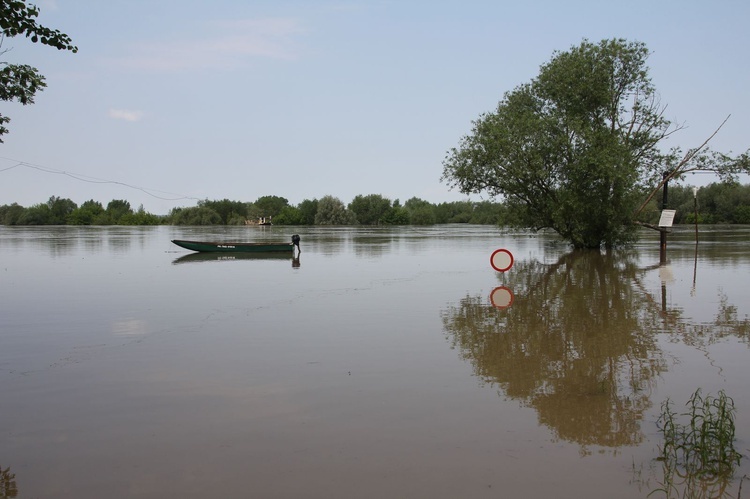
column 695, row 207
column 663, row 230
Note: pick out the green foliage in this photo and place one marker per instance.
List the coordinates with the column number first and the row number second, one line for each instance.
column 116, row 210
column 332, row 211
column 227, row 210
column 60, row 209
column 54, row 212
column 727, row 203
column 415, row 203
column 486, row 213
column 289, row 216
column 236, row 219
column 723, row 200
column 421, row 212
column 457, row 212
column 197, row 215
column 140, row 217
column 38, row 214
column 370, row 209
column 19, row 81
column 396, row 215
column 89, row 213
column 742, row 215
column 717, row 203
column 308, row 209
column 423, row 215
column 270, row 206
column 18, row 18
column 701, row 449
column 571, row 150
column 9, row 214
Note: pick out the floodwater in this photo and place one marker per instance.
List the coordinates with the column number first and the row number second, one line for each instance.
column 381, row 363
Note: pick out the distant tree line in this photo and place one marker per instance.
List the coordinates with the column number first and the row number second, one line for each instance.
column 717, row 203
column 371, row 209
column 63, row 211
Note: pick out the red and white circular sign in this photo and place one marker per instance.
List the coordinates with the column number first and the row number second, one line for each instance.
column 501, row 260
column 501, row 297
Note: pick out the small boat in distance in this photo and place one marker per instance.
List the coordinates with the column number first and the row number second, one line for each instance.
column 237, row 247
column 260, row 222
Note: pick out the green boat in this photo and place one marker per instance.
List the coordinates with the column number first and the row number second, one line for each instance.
column 238, row 247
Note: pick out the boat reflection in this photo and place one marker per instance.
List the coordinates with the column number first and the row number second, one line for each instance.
column 226, row 257
column 580, row 343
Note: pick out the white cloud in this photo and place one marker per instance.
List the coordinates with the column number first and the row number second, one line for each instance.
column 125, row 114
column 238, row 41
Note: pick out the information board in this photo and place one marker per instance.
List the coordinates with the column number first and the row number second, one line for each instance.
column 667, row 217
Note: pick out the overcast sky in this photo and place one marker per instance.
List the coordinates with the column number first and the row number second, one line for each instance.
column 180, row 100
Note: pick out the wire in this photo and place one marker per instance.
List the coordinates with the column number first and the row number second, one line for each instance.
column 94, row 180
column 10, row 167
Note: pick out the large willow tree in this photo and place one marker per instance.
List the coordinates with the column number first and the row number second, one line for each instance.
column 573, row 149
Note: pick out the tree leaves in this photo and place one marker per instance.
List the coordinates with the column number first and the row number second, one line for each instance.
column 19, row 81
column 18, row 18
column 571, row 148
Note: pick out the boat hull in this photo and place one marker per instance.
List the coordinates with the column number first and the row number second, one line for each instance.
column 234, row 247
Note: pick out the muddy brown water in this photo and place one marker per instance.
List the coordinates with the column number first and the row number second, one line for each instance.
column 374, row 365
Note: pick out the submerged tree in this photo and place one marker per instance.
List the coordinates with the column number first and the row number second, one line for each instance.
column 574, row 149
column 308, row 209
column 332, row 211
column 89, row 213
column 117, row 209
column 194, row 215
column 60, row 209
column 370, row 209
column 270, row 206
column 227, row 210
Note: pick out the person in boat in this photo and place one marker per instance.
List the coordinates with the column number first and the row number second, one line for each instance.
column 295, row 242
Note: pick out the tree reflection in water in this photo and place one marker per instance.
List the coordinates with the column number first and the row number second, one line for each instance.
column 726, row 323
column 578, row 345
column 8, row 488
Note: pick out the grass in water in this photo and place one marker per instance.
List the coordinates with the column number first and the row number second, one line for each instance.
column 698, row 453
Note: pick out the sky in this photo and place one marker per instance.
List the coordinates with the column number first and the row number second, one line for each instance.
column 168, row 102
